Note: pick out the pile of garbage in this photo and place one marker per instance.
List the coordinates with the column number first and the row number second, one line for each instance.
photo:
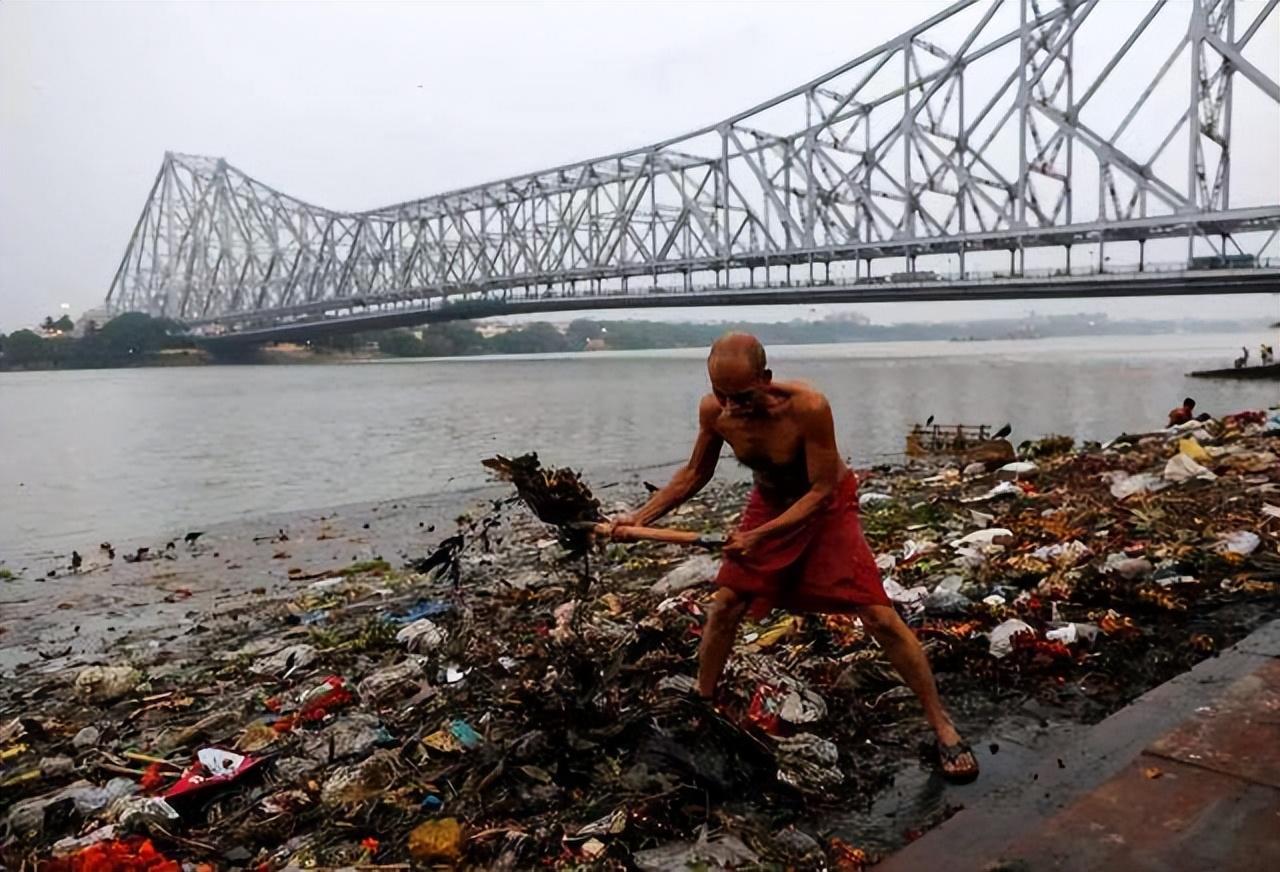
column 503, row 704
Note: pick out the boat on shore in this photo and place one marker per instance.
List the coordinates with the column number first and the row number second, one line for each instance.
column 1267, row 370
column 965, row 443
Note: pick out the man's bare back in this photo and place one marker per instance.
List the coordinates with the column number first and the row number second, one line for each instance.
column 771, row 438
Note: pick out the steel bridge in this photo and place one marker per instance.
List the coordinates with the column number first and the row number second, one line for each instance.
column 992, row 131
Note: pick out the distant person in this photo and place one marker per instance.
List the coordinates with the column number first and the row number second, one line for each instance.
column 1266, row 354
column 1244, row 356
column 1183, row 413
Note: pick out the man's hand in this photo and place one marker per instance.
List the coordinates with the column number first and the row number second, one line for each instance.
column 742, row 543
column 626, row 519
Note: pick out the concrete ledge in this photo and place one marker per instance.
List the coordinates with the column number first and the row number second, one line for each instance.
column 1186, row 777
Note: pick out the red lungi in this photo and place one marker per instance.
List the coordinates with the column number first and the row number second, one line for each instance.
column 821, row 565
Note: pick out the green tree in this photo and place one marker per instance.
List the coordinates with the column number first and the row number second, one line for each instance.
column 533, row 339
column 582, row 330
column 26, row 347
column 400, row 343
column 47, row 324
column 65, row 324
column 136, row 333
column 461, row 336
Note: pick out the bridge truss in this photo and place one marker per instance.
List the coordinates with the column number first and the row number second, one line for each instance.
column 992, row 126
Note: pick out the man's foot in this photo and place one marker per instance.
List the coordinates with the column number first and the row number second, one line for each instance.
column 959, row 765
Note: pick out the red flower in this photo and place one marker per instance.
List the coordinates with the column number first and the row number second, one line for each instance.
column 153, row 777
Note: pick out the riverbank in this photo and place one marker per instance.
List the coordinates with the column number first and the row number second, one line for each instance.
column 120, row 454
column 481, row 693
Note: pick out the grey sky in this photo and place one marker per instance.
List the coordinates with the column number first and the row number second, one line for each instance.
column 355, row 105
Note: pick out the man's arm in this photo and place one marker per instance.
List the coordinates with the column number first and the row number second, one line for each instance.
column 690, row 478
column 824, row 469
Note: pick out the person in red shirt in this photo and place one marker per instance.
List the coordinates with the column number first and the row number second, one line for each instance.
column 1183, row 413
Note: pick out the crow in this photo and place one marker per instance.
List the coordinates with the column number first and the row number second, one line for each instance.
column 1002, row 432
column 105, row 546
column 191, row 538
column 76, row 560
column 929, row 422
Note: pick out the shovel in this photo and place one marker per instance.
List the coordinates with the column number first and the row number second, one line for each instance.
column 651, row 534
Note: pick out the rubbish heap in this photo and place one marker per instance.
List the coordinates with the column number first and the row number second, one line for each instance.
column 484, row 708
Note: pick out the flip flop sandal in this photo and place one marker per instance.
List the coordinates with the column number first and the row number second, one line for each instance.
column 952, row 754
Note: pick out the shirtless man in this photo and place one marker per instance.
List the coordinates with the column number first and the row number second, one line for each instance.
column 799, row 544
column 1183, row 413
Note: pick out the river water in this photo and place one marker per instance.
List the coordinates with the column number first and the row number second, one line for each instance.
column 115, row 454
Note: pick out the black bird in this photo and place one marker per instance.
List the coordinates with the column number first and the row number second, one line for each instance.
column 111, row 554
column 141, row 555
column 76, row 560
column 105, row 546
column 651, row 487
column 929, row 422
column 170, row 546
column 191, row 538
column 1002, row 432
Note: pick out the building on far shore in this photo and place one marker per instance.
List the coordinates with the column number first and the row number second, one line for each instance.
column 96, row 316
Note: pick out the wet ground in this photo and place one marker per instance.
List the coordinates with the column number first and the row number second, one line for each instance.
column 577, row 745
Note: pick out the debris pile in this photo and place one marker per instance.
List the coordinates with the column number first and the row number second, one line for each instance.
column 476, row 709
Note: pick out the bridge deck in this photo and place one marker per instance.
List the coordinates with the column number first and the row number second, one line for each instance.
column 1227, row 281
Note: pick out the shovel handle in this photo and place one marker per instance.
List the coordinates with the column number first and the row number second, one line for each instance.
column 658, row 534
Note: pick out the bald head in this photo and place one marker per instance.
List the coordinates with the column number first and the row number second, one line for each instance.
column 738, row 350
column 739, row 372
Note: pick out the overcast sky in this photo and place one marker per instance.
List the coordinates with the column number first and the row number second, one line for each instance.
column 356, row 105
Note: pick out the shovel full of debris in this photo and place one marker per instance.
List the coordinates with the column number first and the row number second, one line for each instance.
column 559, row 497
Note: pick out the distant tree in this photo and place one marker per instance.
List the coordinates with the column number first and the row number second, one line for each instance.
column 90, row 328
column 533, row 339
column 581, row 330
column 2, row 338
column 65, row 324
column 48, row 324
column 400, row 343
column 136, row 333
column 461, row 336
column 26, row 347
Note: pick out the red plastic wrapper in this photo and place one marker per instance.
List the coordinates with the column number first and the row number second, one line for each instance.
column 214, row 767
column 765, row 709
column 312, row 705
column 319, row 702
column 117, row 855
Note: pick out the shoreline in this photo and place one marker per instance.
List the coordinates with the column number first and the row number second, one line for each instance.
column 289, row 354
column 240, row 552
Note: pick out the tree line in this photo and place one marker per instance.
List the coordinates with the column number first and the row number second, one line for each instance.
column 130, row 339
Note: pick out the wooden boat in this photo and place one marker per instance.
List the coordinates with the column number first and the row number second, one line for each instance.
column 962, row 441
column 1270, row 370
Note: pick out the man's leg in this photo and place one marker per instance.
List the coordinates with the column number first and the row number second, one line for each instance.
column 723, row 616
column 906, row 655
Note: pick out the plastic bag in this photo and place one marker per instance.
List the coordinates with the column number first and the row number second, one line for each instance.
column 1002, row 636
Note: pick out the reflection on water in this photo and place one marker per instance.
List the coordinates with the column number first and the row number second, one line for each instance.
column 110, row 454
